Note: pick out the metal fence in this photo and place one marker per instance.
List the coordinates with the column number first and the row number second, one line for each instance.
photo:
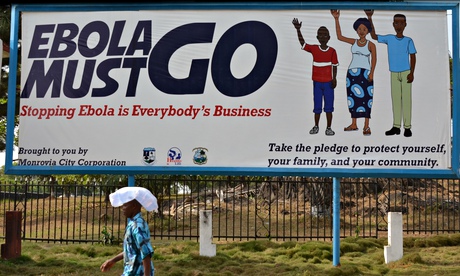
column 244, row 208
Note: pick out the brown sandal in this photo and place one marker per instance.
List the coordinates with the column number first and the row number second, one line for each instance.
column 367, row 131
column 350, row 128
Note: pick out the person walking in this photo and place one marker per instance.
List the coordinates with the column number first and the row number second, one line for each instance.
column 137, row 250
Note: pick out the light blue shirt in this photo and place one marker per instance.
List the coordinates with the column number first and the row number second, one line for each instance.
column 136, row 246
column 360, row 56
column 399, row 50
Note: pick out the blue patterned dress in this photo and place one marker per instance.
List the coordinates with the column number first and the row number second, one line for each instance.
column 360, row 92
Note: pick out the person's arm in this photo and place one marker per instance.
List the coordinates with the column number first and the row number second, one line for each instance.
column 147, row 267
column 338, row 30
column 369, row 14
column 334, row 76
column 410, row 77
column 373, row 51
column 297, row 26
column 107, row 265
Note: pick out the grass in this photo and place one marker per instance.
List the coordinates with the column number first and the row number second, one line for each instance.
column 437, row 255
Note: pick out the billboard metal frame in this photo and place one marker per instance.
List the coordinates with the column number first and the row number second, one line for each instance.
column 454, row 172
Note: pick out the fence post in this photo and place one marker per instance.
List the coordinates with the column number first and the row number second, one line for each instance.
column 12, row 247
column 394, row 250
column 206, row 247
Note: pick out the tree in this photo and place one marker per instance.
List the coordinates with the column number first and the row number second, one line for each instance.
column 5, row 26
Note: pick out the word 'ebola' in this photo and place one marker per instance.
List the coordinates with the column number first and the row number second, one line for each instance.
column 68, row 113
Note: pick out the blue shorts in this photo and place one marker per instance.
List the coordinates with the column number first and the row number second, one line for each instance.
column 323, row 90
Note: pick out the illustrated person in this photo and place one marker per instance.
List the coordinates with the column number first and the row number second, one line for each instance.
column 137, row 249
column 401, row 61
column 360, row 74
column 324, row 75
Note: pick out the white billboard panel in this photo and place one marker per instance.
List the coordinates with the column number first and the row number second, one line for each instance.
column 232, row 89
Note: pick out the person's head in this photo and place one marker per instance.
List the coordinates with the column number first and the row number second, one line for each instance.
column 362, row 26
column 323, row 35
column 399, row 23
column 131, row 208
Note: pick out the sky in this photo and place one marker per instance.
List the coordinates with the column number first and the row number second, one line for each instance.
column 2, row 156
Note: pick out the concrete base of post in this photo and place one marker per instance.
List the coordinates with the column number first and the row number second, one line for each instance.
column 207, row 248
column 394, row 250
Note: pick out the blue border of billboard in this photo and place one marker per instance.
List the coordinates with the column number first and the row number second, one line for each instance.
column 454, row 172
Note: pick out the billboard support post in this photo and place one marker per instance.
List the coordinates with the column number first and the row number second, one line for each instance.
column 336, row 221
column 131, row 180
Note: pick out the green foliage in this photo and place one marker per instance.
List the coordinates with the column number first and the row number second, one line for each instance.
column 259, row 257
column 353, row 244
column 442, row 241
column 315, row 260
column 107, row 236
column 90, row 252
column 357, row 231
column 346, row 247
column 5, row 26
column 5, row 22
column 455, row 239
column 255, row 246
column 412, row 258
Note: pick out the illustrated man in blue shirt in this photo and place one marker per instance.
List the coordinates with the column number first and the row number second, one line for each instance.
column 401, row 60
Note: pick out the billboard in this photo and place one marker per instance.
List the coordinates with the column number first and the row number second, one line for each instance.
column 305, row 89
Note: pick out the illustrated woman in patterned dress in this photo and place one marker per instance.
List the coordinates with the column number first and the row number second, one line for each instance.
column 360, row 75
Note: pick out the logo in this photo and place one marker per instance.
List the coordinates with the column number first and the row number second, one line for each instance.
column 174, row 156
column 149, row 156
column 199, row 157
